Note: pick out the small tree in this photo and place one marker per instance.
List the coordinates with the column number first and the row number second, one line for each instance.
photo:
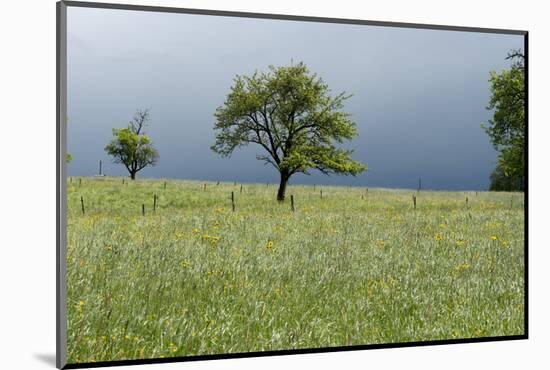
column 290, row 114
column 68, row 157
column 131, row 147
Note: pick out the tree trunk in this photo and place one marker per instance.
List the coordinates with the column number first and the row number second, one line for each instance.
column 282, row 187
column 133, row 175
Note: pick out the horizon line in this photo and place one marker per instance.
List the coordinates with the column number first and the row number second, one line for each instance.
column 149, row 178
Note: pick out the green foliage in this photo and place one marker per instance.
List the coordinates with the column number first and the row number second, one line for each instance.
column 502, row 182
column 507, row 127
column 291, row 115
column 131, row 147
column 195, row 278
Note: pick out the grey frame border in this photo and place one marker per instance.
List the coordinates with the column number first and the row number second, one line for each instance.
column 61, row 186
column 226, row 13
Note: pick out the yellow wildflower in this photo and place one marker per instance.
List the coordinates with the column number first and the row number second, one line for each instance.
column 462, row 267
column 438, row 237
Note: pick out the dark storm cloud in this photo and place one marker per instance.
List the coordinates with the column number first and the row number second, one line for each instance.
column 419, row 96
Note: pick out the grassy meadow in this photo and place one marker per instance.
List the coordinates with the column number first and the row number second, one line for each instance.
column 353, row 267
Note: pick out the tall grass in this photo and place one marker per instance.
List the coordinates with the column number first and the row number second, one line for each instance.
column 196, row 278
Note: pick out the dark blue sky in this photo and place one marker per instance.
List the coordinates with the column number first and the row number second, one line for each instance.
column 419, row 96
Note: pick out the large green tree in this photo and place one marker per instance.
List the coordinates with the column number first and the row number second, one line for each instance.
column 290, row 114
column 507, row 127
column 131, row 147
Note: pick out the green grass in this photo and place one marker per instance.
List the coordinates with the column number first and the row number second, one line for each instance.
column 196, row 278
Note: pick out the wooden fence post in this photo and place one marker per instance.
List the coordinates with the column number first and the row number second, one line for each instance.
column 143, row 209
column 241, row 189
column 233, row 201
column 414, row 201
column 292, row 202
column 154, row 203
column 82, row 204
column 321, row 193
